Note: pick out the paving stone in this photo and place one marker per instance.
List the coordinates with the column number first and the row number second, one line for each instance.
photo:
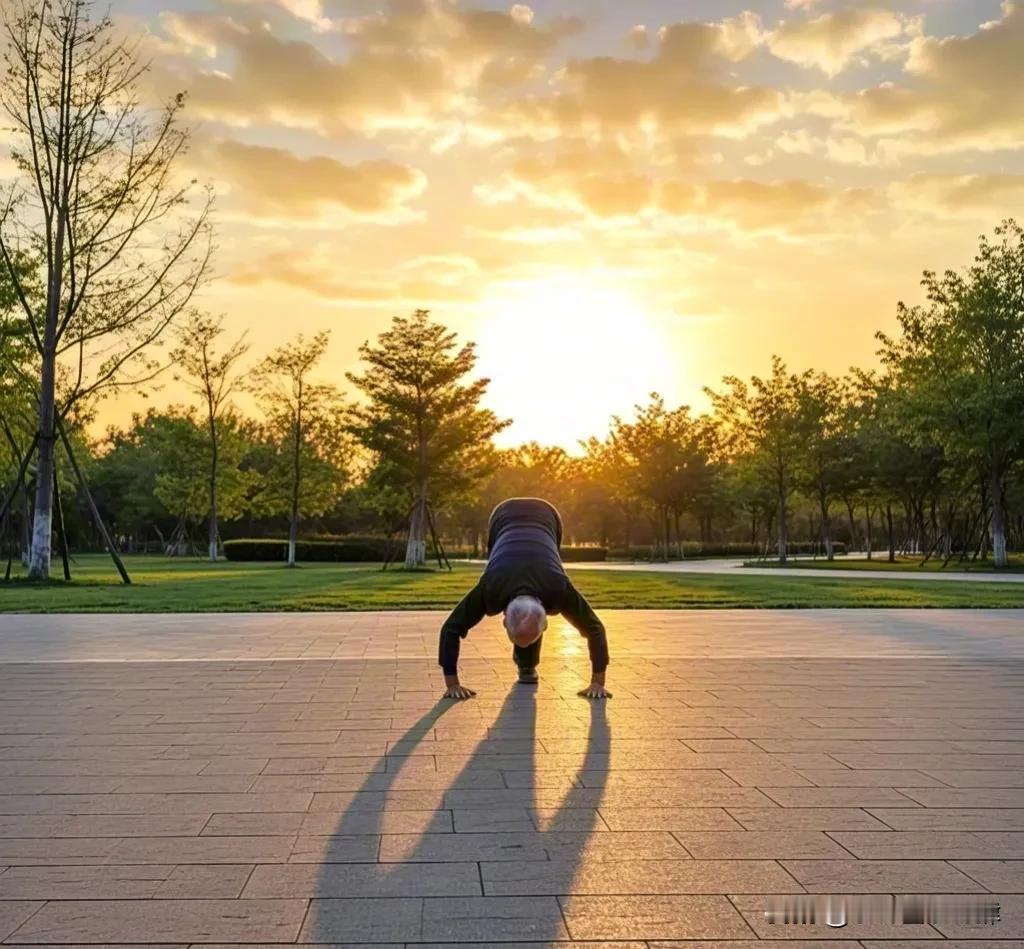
column 363, row 920
column 880, row 876
column 363, row 880
column 126, row 921
column 805, row 818
column 966, row 797
column 865, row 778
column 667, row 818
column 635, row 877
column 492, row 919
column 763, row 845
column 652, row 917
column 533, row 846
column 843, row 797
column 15, row 912
column 999, row 876
column 526, row 820
column 932, row 844
column 102, row 826
column 967, row 818
column 203, row 850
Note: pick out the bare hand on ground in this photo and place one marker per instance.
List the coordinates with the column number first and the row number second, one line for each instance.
column 595, row 691
column 458, row 692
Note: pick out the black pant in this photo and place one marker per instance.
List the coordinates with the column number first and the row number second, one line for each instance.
column 527, row 657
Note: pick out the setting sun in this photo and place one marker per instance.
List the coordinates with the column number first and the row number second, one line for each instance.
column 565, row 354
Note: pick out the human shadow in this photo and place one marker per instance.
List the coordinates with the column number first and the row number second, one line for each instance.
column 510, row 827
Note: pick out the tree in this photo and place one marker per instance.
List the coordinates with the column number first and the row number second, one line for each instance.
column 421, row 420
column 97, row 200
column 764, row 421
column 304, row 422
column 212, row 376
column 822, row 406
column 963, row 354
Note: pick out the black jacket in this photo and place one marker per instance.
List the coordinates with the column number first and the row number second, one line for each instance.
column 523, row 540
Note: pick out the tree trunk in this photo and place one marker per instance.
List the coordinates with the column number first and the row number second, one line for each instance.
column 783, row 532
column 826, row 531
column 867, row 529
column 998, row 523
column 892, row 539
column 213, row 534
column 42, row 523
column 293, row 525
column 851, row 512
column 416, row 547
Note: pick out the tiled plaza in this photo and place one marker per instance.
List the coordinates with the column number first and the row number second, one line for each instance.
column 279, row 779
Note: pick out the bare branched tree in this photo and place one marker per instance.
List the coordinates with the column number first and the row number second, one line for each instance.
column 212, row 376
column 99, row 204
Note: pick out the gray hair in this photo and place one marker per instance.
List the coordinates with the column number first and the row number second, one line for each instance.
column 523, row 613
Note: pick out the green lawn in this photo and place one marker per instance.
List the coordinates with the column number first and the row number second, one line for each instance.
column 904, row 564
column 174, row 585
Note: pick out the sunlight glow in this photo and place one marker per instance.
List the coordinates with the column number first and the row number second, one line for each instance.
column 565, row 354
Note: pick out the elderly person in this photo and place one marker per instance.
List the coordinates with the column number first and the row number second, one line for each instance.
column 525, row 580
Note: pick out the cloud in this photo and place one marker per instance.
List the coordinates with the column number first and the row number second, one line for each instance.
column 788, row 206
column 830, row 41
column 963, row 92
column 602, row 185
column 316, row 272
column 406, row 66
column 276, row 182
column 638, row 38
column 985, row 196
column 683, row 90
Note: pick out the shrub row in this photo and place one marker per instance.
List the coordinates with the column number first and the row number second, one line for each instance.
column 363, row 550
column 696, row 550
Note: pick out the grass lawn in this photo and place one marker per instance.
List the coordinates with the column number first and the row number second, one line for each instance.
column 176, row 585
column 905, row 564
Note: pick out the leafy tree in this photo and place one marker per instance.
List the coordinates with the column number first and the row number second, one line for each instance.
column 963, row 355
column 212, row 375
column 822, row 406
column 764, row 422
column 420, row 419
column 97, row 200
column 302, row 464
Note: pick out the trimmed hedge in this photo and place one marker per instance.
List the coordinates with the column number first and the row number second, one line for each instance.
column 357, row 550
column 364, row 550
column 696, row 551
column 584, row 554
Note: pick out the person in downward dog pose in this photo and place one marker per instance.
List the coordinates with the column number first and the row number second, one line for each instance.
column 525, row 580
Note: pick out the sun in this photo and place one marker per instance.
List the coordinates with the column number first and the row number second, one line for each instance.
column 565, row 354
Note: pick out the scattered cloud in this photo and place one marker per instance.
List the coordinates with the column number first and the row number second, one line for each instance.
column 831, row 41
column 984, row 196
column 276, row 182
column 960, row 92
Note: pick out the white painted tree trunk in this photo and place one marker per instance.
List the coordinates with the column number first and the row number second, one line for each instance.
column 998, row 524
column 39, row 553
column 416, row 548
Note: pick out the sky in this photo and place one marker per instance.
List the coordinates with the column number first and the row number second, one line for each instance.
column 609, row 198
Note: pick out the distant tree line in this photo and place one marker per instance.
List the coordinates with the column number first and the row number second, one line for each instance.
column 924, row 455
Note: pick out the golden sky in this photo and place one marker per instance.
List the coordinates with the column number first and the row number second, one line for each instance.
column 609, row 197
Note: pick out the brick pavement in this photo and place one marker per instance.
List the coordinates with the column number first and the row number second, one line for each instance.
column 294, row 779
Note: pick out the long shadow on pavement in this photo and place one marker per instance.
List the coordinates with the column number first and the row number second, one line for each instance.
column 517, row 829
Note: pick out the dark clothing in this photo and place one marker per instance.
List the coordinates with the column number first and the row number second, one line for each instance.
column 523, row 540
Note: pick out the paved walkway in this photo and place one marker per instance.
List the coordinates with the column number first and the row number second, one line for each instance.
column 294, row 779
